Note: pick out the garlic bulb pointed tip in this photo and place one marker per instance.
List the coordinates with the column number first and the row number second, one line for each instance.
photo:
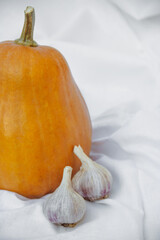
column 67, row 168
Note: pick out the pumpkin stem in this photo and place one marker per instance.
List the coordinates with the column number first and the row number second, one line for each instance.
column 26, row 38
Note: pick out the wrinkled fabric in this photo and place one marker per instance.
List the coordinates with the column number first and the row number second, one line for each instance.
column 112, row 48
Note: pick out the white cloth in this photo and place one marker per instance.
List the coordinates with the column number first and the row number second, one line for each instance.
column 113, row 50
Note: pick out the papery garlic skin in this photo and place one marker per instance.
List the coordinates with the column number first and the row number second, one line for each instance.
column 65, row 206
column 92, row 181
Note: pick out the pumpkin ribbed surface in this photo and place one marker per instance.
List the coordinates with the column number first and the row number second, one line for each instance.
column 42, row 116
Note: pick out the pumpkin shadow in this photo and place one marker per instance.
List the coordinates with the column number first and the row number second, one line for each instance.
column 111, row 152
column 111, row 149
column 104, row 131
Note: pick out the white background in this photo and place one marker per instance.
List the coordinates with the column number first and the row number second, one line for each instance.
column 113, row 50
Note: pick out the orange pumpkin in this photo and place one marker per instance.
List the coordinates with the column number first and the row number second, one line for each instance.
column 42, row 116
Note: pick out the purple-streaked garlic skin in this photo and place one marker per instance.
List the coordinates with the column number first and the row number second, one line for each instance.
column 65, row 206
column 93, row 181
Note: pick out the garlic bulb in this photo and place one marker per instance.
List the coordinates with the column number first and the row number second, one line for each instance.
column 92, row 182
column 65, row 206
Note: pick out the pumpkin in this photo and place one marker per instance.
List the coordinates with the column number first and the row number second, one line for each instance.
column 42, row 115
